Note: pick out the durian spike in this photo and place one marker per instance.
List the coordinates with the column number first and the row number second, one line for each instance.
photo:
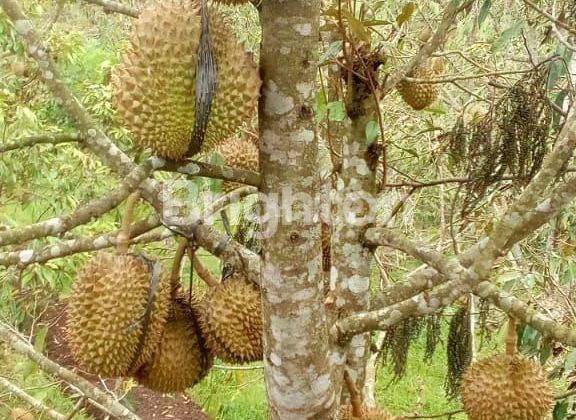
column 123, row 238
column 203, row 272
column 355, row 398
column 176, row 265
column 511, row 338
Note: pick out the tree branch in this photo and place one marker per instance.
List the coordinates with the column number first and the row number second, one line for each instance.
column 26, row 257
column 550, row 17
column 226, row 173
column 455, row 78
column 448, row 18
column 524, row 313
column 38, row 405
column 20, row 346
column 95, row 208
column 42, row 139
column 115, row 7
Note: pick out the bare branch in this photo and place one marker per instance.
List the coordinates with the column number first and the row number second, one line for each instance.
column 95, row 208
column 455, row 78
column 524, row 313
column 550, row 17
column 43, row 139
column 448, row 19
column 26, row 257
column 20, row 346
column 115, row 7
column 38, row 405
column 226, row 173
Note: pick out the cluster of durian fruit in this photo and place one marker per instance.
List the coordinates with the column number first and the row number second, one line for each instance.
column 126, row 318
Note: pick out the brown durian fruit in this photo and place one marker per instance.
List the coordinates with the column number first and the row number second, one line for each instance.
column 239, row 153
column 231, row 320
column 153, row 86
column 181, row 360
column 421, row 95
column 506, row 387
column 347, row 413
column 106, row 314
column 21, row 414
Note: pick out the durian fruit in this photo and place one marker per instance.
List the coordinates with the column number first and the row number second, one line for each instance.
column 504, row 387
column 154, row 84
column 107, row 312
column 347, row 413
column 21, row 414
column 421, row 95
column 181, row 360
column 239, row 153
column 231, row 320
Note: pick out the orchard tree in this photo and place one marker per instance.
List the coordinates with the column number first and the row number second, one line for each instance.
column 478, row 150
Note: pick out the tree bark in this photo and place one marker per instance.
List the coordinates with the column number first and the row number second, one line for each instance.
column 296, row 346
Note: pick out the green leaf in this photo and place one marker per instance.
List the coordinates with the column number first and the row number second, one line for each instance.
column 372, row 131
column 336, row 111
column 561, row 410
column 507, row 36
column 407, row 12
column 357, row 28
column 558, row 67
column 484, row 10
column 320, row 106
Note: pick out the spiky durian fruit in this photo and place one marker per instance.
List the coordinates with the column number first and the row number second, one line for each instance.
column 420, row 95
column 239, row 153
column 107, row 312
column 231, row 320
column 181, row 360
column 505, row 387
column 153, row 86
column 347, row 413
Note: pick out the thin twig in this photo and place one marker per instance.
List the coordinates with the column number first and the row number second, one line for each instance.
column 53, row 139
column 38, row 405
column 115, row 7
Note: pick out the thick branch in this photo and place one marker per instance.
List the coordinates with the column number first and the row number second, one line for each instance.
column 115, row 7
column 95, row 208
column 225, row 173
column 43, row 139
column 523, row 312
column 38, row 405
column 14, row 340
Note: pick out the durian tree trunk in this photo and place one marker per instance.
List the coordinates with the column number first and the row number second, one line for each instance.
column 353, row 213
column 296, row 340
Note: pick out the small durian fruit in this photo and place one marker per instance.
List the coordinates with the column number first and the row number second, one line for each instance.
column 347, row 413
column 21, row 414
column 231, row 320
column 181, row 359
column 507, row 387
column 239, row 153
column 421, row 95
column 153, row 86
column 111, row 303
